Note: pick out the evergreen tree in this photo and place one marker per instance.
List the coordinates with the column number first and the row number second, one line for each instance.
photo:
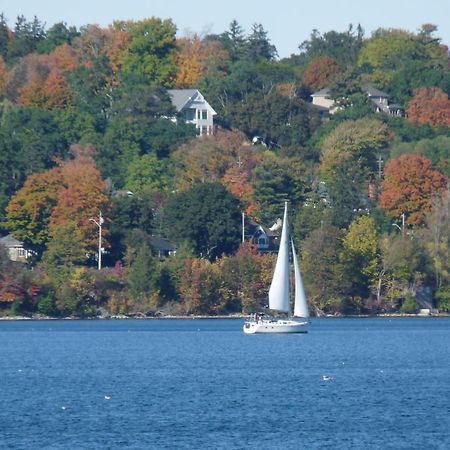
column 141, row 274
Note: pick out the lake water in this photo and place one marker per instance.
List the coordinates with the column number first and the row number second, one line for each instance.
column 203, row 384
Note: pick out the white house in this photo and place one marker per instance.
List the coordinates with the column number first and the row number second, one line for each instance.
column 15, row 249
column 193, row 107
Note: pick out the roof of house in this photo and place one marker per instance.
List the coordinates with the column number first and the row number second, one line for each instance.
column 9, row 241
column 322, row 93
column 161, row 244
column 180, row 97
column 254, row 226
column 373, row 92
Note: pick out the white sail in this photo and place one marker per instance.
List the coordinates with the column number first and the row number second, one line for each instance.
column 279, row 289
column 300, row 302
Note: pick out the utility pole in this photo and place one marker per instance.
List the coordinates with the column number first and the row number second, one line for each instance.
column 380, row 164
column 99, row 223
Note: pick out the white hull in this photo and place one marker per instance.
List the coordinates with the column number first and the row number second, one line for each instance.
column 275, row 326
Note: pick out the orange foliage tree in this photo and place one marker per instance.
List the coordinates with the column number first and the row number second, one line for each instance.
column 237, row 181
column 65, row 58
column 49, row 94
column 195, row 58
column 82, row 196
column 429, row 106
column 321, row 72
column 409, row 186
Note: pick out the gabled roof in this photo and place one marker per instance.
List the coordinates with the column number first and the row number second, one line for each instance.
column 182, row 97
column 254, row 226
column 10, row 242
column 373, row 92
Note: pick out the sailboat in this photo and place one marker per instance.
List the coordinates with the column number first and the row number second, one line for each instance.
column 279, row 294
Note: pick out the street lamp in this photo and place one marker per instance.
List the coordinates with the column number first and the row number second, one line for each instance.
column 99, row 223
column 403, row 223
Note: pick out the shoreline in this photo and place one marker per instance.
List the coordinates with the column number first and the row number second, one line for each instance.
column 220, row 317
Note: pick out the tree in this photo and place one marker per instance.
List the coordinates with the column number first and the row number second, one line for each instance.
column 52, row 93
column 128, row 213
column 354, row 140
column 4, row 37
column 65, row 250
column 435, row 149
column 409, row 185
column 402, row 271
column 321, row 72
column 148, row 173
column 27, row 36
column 277, row 180
column 151, row 51
column 81, row 197
column 234, row 40
column 361, row 257
column 342, row 46
column 322, row 268
column 3, row 77
column 436, row 239
column 195, row 58
column 348, row 162
column 141, row 274
column 209, row 158
column 29, row 211
column 57, row 35
column 207, row 217
column 391, row 50
column 259, row 46
column 429, row 106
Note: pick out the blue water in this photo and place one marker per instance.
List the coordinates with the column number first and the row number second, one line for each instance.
column 203, row 384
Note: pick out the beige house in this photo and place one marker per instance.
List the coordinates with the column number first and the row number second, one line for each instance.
column 321, row 98
column 15, row 249
column 380, row 99
column 192, row 106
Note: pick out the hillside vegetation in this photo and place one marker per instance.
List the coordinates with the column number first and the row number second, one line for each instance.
column 85, row 127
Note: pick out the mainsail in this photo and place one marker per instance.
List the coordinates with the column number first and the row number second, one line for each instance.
column 300, row 302
column 279, row 289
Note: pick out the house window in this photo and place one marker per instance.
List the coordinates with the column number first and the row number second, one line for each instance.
column 204, row 114
column 199, row 114
column 204, row 130
column 262, row 241
column 21, row 252
column 189, row 114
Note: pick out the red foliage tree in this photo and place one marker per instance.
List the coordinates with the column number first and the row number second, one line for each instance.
column 429, row 106
column 409, row 186
column 321, row 72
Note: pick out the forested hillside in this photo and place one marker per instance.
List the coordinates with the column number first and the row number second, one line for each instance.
column 86, row 125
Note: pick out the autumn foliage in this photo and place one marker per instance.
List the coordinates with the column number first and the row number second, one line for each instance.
column 429, row 106
column 321, row 72
column 194, row 58
column 81, row 196
column 409, row 187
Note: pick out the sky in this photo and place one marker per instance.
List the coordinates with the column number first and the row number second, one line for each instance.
column 287, row 22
